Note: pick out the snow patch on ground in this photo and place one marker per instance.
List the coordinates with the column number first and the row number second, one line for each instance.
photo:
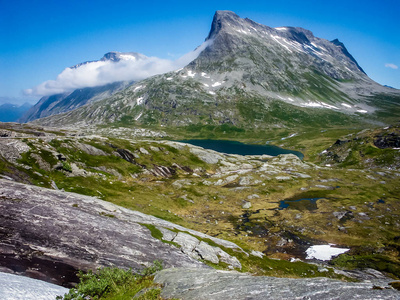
column 288, row 137
column 329, row 106
column 348, row 69
column 169, row 78
column 241, row 31
column 281, row 28
column 313, row 104
column 216, row 84
column 138, row 117
column 362, row 111
column 346, row 105
column 137, row 88
column 205, row 75
column 211, row 92
column 191, row 74
column 14, row 287
column 277, row 38
column 324, row 252
column 319, row 104
column 139, row 100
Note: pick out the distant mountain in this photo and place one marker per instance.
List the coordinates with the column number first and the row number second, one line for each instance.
column 60, row 103
column 115, row 56
column 254, row 76
column 11, row 112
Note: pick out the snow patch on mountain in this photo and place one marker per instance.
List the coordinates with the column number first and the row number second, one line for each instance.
column 138, row 88
column 139, row 100
column 216, row 84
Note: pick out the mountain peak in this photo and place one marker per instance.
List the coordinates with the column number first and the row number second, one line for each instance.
column 345, row 52
column 114, row 56
column 222, row 18
column 117, row 56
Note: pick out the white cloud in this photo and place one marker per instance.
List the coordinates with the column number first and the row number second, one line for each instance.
column 104, row 72
column 392, row 66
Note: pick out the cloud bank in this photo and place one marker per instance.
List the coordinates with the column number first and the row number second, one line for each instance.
column 103, row 72
column 392, row 66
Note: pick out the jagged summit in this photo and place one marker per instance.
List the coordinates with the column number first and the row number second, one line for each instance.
column 229, row 33
column 344, row 50
column 222, row 18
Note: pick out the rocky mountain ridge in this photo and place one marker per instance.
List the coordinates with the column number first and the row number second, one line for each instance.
column 253, row 76
column 61, row 103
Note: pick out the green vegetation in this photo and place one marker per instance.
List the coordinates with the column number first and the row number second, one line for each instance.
column 378, row 262
column 157, row 234
column 66, row 166
column 359, row 194
column 115, row 284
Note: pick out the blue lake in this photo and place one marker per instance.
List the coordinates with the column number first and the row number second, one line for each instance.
column 233, row 147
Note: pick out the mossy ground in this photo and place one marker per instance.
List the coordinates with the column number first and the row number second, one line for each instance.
column 359, row 208
column 115, row 284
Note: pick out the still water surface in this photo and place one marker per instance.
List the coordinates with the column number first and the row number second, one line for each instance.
column 233, row 147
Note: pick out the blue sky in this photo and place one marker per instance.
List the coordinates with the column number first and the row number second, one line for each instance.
column 40, row 38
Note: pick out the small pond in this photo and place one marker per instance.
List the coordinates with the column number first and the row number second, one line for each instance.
column 299, row 204
column 233, row 147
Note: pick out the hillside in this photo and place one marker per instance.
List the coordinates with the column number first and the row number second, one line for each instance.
column 60, row 103
column 276, row 205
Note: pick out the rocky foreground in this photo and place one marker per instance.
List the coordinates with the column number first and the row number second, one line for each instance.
column 213, row 284
column 13, row 287
column 50, row 234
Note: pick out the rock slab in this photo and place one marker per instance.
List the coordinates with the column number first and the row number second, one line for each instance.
column 209, row 284
column 49, row 235
column 14, row 287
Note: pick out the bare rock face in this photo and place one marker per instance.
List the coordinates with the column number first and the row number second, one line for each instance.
column 210, row 284
column 49, row 234
column 13, row 287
